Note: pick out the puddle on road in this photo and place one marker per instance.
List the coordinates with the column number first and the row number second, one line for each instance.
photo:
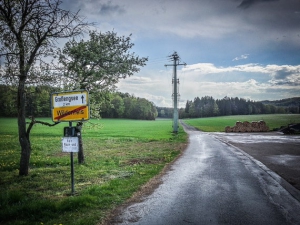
column 287, row 160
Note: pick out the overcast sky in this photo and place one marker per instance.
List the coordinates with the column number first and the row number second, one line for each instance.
column 237, row 48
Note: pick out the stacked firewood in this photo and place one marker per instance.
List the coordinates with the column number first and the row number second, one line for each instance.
column 255, row 126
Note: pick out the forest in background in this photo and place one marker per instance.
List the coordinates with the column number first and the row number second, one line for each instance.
column 208, row 107
column 112, row 105
column 124, row 105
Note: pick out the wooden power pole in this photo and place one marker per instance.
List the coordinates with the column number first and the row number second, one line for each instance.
column 175, row 58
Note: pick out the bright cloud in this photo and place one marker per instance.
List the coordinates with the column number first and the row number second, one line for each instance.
column 245, row 56
column 204, row 79
column 276, row 72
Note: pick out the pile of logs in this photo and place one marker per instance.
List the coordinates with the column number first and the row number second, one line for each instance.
column 255, row 126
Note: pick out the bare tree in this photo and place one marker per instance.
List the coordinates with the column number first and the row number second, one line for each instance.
column 29, row 30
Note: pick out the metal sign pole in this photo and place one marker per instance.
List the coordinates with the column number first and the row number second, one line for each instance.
column 72, row 167
column 70, row 106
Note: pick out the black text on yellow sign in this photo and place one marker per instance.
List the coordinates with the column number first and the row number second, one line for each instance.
column 73, row 113
column 70, row 106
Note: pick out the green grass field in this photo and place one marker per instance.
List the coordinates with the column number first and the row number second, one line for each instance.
column 218, row 124
column 120, row 155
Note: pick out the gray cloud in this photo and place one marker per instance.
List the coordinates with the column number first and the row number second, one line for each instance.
column 282, row 74
column 286, row 76
column 247, row 3
column 109, row 8
column 94, row 7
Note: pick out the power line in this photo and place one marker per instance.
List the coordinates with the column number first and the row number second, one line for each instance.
column 160, row 60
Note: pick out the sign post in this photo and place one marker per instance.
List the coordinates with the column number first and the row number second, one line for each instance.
column 68, row 107
column 70, row 144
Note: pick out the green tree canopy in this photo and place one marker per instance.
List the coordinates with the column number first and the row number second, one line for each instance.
column 100, row 62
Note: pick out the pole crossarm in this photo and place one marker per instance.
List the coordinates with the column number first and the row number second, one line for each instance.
column 178, row 64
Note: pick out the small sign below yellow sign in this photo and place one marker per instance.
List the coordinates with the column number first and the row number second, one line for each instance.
column 70, row 144
column 70, row 106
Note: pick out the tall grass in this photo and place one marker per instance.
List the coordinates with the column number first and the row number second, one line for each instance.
column 121, row 155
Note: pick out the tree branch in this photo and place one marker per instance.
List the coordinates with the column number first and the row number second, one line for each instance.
column 33, row 121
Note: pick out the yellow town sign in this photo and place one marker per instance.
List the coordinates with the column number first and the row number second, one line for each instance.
column 70, row 106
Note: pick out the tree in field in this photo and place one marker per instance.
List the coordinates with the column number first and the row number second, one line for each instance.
column 187, row 106
column 29, row 30
column 97, row 65
column 100, row 62
column 8, row 101
column 118, row 107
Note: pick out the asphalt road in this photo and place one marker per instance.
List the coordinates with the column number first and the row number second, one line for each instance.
column 214, row 183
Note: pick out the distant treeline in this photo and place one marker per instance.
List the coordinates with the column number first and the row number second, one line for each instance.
column 38, row 101
column 112, row 105
column 122, row 105
column 208, row 107
column 292, row 104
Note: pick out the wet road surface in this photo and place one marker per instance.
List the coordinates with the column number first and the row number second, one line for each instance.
column 257, row 137
column 214, row 183
column 279, row 152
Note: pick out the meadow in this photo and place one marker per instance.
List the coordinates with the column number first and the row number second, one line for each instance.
column 218, row 124
column 120, row 156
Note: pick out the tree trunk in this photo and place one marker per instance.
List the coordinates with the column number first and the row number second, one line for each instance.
column 80, row 152
column 23, row 136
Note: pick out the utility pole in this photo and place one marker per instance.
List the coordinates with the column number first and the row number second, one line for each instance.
column 175, row 58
